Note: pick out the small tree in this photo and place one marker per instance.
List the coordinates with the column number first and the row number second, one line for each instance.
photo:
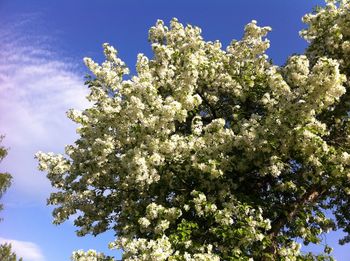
column 5, row 178
column 212, row 154
column 6, row 253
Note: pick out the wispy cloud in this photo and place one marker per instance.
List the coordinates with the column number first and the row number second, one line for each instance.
column 29, row 251
column 37, row 87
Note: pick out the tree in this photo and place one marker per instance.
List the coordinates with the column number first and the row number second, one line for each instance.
column 212, row 154
column 5, row 178
column 6, row 253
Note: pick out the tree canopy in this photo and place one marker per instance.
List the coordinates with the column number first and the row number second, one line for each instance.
column 210, row 153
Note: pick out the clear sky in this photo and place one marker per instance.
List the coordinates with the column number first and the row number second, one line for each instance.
column 42, row 43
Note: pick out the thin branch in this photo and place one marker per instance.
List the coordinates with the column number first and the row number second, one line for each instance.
column 212, row 110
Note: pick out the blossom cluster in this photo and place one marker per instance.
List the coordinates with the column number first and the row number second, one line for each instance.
column 90, row 255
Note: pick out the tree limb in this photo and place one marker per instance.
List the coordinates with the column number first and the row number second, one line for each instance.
column 309, row 197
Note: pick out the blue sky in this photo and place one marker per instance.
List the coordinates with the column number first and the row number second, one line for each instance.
column 41, row 76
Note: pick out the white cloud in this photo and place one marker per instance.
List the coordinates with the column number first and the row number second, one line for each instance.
column 25, row 249
column 36, row 89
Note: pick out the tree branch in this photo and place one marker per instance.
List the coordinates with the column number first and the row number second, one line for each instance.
column 309, row 197
column 211, row 108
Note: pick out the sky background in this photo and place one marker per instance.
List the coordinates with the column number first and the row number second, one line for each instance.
column 42, row 44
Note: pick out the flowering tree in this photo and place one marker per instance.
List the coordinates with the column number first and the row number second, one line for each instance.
column 212, row 154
